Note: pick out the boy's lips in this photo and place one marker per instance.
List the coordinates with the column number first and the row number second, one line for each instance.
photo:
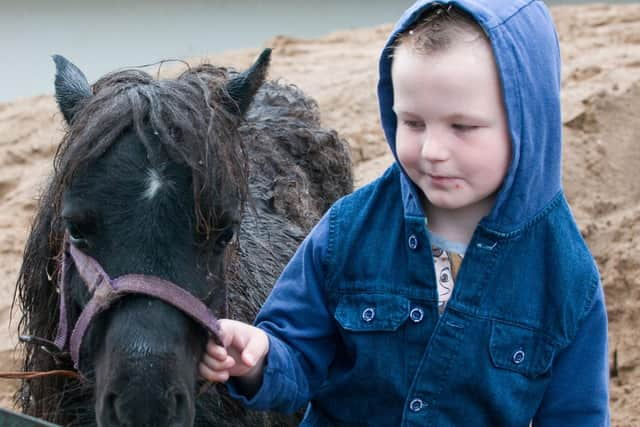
column 442, row 179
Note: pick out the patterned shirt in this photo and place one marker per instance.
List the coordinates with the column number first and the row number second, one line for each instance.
column 447, row 257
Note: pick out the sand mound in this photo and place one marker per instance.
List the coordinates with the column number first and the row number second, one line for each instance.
column 601, row 99
column 605, row 191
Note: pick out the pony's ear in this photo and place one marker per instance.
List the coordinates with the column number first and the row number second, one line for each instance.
column 244, row 86
column 71, row 85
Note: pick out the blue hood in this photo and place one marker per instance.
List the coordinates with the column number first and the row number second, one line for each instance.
column 525, row 45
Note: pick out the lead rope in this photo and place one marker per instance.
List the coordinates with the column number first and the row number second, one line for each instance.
column 48, row 347
column 29, row 375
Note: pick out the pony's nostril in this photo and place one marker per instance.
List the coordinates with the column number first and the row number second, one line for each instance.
column 180, row 402
column 111, row 412
column 181, row 413
column 137, row 409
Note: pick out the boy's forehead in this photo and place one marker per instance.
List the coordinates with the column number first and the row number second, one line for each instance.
column 462, row 80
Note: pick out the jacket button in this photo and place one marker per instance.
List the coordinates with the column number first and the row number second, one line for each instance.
column 368, row 314
column 416, row 405
column 518, row 357
column 413, row 242
column 416, row 315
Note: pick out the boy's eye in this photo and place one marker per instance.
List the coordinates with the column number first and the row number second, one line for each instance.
column 463, row 128
column 413, row 124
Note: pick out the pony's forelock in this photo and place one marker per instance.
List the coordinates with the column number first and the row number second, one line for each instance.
column 187, row 117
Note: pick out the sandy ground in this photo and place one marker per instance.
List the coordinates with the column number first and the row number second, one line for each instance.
column 601, row 105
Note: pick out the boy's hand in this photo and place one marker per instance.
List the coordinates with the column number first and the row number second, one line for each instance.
column 243, row 354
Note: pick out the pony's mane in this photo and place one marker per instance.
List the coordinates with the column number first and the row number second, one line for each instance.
column 192, row 124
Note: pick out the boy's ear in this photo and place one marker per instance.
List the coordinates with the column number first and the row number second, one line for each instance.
column 244, row 86
column 71, row 85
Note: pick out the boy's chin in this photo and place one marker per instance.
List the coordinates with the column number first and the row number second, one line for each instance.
column 458, row 202
column 445, row 200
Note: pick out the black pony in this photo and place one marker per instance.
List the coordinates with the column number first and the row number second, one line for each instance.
column 207, row 182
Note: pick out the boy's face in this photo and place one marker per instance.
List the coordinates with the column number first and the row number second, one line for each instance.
column 452, row 137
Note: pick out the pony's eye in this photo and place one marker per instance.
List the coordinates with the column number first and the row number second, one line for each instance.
column 224, row 238
column 76, row 236
column 79, row 232
column 74, row 232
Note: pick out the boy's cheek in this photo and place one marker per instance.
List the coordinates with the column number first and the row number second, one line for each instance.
column 402, row 149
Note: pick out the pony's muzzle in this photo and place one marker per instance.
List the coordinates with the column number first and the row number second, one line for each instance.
column 130, row 403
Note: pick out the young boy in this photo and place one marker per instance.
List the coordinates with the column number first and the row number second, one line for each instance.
column 456, row 289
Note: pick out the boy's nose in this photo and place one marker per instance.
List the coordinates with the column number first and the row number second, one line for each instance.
column 434, row 147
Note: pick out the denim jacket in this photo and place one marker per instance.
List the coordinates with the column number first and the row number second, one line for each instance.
column 353, row 321
column 354, row 327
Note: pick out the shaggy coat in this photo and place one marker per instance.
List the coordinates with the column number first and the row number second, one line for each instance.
column 228, row 156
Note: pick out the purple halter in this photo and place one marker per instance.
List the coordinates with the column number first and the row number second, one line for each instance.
column 105, row 291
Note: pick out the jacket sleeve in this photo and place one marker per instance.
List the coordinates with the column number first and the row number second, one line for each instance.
column 300, row 330
column 579, row 391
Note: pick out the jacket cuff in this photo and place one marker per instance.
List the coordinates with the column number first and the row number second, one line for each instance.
column 277, row 388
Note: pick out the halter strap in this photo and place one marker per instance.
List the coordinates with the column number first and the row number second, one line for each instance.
column 105, row 291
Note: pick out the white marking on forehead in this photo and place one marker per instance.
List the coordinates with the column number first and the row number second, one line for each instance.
column 154, row 184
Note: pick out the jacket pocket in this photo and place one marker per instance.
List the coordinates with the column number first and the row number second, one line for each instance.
column 521, row 350
column 371, row 312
